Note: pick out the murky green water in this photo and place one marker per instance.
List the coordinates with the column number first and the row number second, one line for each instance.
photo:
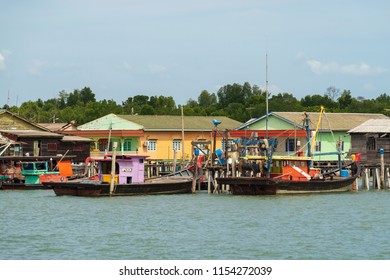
column 40, row 225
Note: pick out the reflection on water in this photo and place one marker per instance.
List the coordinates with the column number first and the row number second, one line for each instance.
column 39, row 225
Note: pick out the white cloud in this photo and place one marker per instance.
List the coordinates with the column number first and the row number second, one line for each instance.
column 157, row 68
column 361, row 69
column 127, row 66
column 369, row 87
column 2, row 61
column 38, row 66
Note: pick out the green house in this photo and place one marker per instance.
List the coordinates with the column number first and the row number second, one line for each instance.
column 326, row 135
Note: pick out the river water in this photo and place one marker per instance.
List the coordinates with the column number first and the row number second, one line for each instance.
column 37, row 225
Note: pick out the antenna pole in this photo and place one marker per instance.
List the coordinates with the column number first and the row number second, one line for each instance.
column 266, row 95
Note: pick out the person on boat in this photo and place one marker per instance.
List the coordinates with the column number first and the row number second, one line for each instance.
column 355, row 169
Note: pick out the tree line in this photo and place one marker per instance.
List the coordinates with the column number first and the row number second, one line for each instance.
column 240, row 102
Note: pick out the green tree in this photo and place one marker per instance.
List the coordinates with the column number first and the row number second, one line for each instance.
column 231, row 94
column 332, row 92
column 317, row 100
column 345, row 99
column 284, row 102
column 147, row 110
column 206, row 99
column 86, row 95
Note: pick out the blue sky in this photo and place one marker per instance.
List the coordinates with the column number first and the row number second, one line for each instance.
column 178, row 48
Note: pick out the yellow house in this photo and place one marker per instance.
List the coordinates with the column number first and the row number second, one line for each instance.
column 159, row 137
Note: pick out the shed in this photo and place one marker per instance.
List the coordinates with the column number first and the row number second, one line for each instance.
column 368, row 138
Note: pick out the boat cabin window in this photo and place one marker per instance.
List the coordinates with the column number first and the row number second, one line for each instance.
column 106, row 167
column 28, row 166
column 35, row 166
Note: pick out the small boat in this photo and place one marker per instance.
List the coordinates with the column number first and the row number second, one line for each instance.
column 293, row 175
column 30, row 175
column 125, row 178
column 271, row 174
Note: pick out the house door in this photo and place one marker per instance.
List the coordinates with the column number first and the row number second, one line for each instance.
column 37, row 148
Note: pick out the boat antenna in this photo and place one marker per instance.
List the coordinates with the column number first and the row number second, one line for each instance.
column 266, row 95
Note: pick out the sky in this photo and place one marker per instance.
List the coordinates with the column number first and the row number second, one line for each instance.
column 178, row 48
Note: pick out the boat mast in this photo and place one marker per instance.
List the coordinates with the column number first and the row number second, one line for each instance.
column 266, row 96
column 308, row 136
column 182, row 133
column 269, row 149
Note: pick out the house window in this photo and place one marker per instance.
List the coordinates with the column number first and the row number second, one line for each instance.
column 290, row 145
column 52, row 147
column 152, row 145
column 118, row 146
column 102, row 144
column 176, row 145
column 227, row 145
column 371, row 144
column 127, row 146
column 78, row 147
column 318, row 146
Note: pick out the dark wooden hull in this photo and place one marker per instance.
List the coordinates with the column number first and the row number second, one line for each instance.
column 249, row 185
column 153, row 187
column 271, row 186
column 21, row 186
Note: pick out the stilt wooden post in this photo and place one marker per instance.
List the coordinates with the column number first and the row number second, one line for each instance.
column 113, row 159
column 209, row 179
column 174, row 159
column 367, row 178
column 388, row 177
column 382, row 153
column 377, row 178
column 195, row 171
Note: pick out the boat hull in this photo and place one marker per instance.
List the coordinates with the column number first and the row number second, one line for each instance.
column 22, row 186
column 249, row 185
column 271, row 186
column 103, row 189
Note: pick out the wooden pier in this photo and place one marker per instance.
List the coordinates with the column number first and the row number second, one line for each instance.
column 375, row 177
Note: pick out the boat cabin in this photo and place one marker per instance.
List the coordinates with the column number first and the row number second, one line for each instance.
column 128, row 169
column 35, row 172
column 296, row 168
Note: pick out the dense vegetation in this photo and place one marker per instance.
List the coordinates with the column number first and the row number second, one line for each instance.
column 236, row 101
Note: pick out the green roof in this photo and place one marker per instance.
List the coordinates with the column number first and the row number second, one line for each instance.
column 332, row 121
column 165, row 122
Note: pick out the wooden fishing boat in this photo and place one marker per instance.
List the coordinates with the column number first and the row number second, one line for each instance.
column 31, row 175
column 293, row 175
column 271, row 174
column 124, row 176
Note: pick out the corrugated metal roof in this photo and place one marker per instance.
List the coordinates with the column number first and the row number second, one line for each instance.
column 72, row 138
column 203, row 123
column 6, row 112
column 333, row 121
column 373, row 126
column 53, row 126
column 31, row 133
